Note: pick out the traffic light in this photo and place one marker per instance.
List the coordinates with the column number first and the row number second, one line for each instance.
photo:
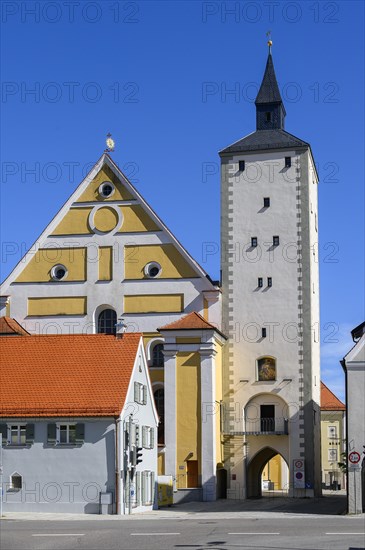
column 138, row 455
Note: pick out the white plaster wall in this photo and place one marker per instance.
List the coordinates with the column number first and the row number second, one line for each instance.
column 246, row 308
column 66, row 479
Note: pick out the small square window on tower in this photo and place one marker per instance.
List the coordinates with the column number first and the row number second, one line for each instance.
column 241, row 165
column 253, row 241
column 260, row 282
column 263, row 332
column 287, row 162
column 275, row 240
column 266, row 202
column 269, row 281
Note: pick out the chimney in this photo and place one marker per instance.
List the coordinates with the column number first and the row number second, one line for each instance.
column 121, row 328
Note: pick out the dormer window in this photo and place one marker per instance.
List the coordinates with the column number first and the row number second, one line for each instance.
column 268, row 116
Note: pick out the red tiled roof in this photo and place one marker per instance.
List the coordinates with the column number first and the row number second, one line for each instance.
column 11, row 326
column 190, row 322
column 329, row 402
column 78, row 375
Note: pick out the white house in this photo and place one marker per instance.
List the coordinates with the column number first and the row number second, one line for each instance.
column 354, row 366
column 78, row 424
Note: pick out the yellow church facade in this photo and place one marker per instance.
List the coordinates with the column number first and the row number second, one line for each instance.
column 106, row 255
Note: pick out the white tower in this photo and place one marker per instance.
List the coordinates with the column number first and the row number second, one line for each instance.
column 270, row 302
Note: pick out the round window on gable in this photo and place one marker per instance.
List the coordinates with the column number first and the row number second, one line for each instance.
column 59, row 272
column 106, row 189
column 152, row 270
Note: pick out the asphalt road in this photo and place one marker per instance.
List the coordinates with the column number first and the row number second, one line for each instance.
column 289, row 533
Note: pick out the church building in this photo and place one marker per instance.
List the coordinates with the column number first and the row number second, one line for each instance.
column 234, row 364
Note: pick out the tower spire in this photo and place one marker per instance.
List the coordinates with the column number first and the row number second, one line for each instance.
column 270, row 110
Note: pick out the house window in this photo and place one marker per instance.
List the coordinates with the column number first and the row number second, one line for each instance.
column 266, row 369
column 16, row 482
column 140, row 393
column 275, row 240
column 332, row 455
column 148, row 482
column 263, row 332
column 268, row 117
column 253, row 241
column 260, row 282
column 107, row 321
column 269, row 281
column 17, row 434
column 157, row 356
column 332, row 432
column 67, row 434
column 287, row 162
column 159, row 396
column 148, row 437
column 266, row 202
column 241, row 165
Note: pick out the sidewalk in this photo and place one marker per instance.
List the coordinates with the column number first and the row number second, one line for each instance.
column 267, row 507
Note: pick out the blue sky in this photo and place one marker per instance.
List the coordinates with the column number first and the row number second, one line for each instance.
column 158, row 75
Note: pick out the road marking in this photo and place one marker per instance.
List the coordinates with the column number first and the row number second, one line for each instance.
column 246, row 533
column 362, row 534
column 149, row 534
column 59, row 535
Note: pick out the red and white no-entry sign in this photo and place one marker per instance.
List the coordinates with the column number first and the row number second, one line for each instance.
column 354, row 457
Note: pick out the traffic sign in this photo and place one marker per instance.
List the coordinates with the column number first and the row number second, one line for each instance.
column 354, row 457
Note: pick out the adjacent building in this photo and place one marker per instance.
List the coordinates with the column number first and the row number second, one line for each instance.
column 353, row 365
column 78, row 424
column 333, row 437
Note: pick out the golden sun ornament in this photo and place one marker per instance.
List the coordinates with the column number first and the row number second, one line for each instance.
column 110, row 143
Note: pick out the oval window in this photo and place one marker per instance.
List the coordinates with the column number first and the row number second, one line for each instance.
column 106, row 189
column 59, row 272
column 152, row 270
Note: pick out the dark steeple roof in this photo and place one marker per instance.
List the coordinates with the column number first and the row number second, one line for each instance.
column 265, row 139
column 270, row 117
column 269, row 89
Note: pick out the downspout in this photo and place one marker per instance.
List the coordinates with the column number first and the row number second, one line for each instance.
column 118, row 481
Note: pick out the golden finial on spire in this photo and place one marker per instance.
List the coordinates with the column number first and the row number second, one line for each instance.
column 269, row 42
column 110, row 143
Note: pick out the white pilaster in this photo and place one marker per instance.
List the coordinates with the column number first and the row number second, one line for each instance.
column 170, row 416
column 208, row 415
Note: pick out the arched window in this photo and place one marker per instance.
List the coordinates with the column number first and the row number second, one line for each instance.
column 159, row 396
column 107, row 321
column 157, row 356
column 266, row 369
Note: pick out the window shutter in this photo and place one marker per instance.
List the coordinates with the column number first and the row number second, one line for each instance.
column 136, row 392
column 4, row 432
column 51, row 434
column 144, row 479
column 152, row 487
column 138, row 488
column 144, row 437
column 152, row 438
column 80, row 433
column 144, row 395
column 29, row 434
